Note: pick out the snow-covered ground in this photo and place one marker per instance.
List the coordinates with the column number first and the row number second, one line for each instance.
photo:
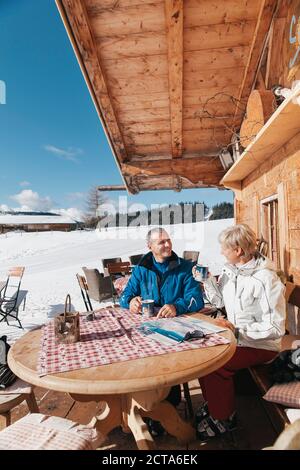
column 52, row 259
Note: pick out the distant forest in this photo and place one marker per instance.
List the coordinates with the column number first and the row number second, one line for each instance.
column 184, row 212
column 224, row 210
column 27, row 213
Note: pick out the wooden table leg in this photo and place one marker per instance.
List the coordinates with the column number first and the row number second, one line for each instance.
column 110, row 416
column 171, row 421
column 139, row 429
column 128, row 411
column 149, row 404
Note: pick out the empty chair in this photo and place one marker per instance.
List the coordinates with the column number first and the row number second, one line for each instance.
column 191, row 256
column 135, row 259
column 116, row 272
column 121, row 268
column 106, row 261
column 11, row 295
column 99, row 286
column 41, row 432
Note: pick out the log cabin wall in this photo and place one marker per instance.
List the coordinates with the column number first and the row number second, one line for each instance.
column 282, row 46
column 278, row 176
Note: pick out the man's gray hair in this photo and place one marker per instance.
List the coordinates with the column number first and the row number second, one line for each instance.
column 154, row 230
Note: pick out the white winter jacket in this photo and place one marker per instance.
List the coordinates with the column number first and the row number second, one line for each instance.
column 253, row 297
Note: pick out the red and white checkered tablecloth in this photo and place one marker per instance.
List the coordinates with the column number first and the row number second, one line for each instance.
column 103, row 341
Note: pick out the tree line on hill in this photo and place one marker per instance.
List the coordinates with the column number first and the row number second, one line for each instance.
column 169, row 214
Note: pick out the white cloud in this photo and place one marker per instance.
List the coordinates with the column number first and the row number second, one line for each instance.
column 67, row 154
column 29, row 200
column 32, row 201
column 72, row 212
column 24, row 183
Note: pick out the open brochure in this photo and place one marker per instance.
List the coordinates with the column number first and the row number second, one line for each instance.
column 170, row 330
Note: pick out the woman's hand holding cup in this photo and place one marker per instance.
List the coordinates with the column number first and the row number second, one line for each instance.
column 200, row 273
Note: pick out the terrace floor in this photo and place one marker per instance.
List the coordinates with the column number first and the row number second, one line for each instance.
column 255, row 429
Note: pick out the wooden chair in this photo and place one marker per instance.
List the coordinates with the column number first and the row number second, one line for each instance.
column 106, row 261
column 115, row 270
column 121, row 268
column 135, row 259
column 11, row 296
column 9, row 401
column 191, row 256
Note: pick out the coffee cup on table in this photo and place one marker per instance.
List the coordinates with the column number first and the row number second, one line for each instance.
column 201, row 272
column 148, row 308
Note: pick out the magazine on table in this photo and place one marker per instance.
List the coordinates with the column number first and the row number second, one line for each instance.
column 178, row 329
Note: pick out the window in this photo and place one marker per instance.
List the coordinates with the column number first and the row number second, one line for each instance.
column 269, row 228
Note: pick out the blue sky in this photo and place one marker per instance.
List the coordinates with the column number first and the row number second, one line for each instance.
column 52, row 146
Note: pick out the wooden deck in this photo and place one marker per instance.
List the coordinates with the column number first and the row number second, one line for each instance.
column 255, row 430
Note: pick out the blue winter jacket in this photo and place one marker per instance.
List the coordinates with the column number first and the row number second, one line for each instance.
column 176, row 286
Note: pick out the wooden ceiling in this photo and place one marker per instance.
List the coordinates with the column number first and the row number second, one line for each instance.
column 169, row 79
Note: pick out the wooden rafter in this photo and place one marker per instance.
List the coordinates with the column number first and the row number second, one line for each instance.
column 196, row 170
column 74, row 13
column 174, row 27
column 113, row 187
column 263, row 24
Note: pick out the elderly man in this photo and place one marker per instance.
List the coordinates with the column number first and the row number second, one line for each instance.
column 167, row 279
column 164, row 277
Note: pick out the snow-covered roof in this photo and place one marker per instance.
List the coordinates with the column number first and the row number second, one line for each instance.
column 10, row 219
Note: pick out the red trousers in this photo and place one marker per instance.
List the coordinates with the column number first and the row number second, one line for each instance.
column 218, row 387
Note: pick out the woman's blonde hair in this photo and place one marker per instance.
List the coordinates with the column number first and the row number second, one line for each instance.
column 240, row 235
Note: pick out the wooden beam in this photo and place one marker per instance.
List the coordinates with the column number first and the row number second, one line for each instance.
column 263, row 24
column 76, row 21
column 174, row 25
column 114, row 187
column 194, row 169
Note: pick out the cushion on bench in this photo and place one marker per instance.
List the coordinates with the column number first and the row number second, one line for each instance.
column 285, row 394
column 261, row 377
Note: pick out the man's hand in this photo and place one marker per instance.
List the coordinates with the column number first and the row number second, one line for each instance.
column 135, row 305
column 225, row 324
column 167, row 311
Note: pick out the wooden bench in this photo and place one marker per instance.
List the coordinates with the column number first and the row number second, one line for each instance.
column 260, row 373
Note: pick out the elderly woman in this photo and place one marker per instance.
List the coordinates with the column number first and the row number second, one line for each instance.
column 253, row 297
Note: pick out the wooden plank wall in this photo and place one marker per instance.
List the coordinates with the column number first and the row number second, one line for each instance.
column 280, row 175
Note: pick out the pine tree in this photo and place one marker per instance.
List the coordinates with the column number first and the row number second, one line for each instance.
column 224, row 210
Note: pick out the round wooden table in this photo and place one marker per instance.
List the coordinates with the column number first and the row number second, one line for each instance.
column 129, row 389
